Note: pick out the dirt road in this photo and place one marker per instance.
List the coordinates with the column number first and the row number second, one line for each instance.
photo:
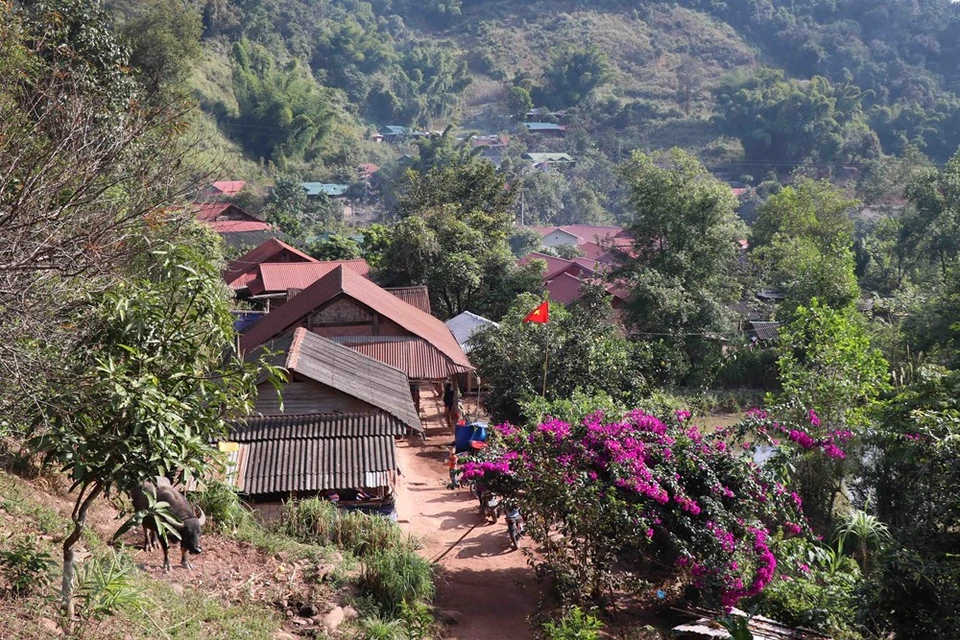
column 484, row 585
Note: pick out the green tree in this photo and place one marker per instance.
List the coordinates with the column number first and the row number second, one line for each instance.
column 334, row 247
column 583, row 348
column 574, row 74
column 519, row 102
column 164, row 37
column 523, row 241
column 284, row 113
column 932, row 227
column 287, row 205
column 464, row 259
column 826, row 363
column 466, row 182
column 682, row 273
column 803, row 244
column 153, row 382
column 376, row 242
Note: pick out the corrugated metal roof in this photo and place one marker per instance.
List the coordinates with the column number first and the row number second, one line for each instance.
column 414, row 356
column 565, row 288
column 222, row 211
column 418, row 296
column 228, row 187
column 549, row 158
column 328, row 189
column 556, row 266
column 323, row 454
column 351, row 372
column 465, row 325
column 279, row 277
column 761, row 627
column 273, row 250
column 342, row 281
column 764, row 330
column 315, row 425
column 543, row 126
column 243, row 240
column 237, row 226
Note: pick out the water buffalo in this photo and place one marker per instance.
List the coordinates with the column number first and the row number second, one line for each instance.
column 190, row 521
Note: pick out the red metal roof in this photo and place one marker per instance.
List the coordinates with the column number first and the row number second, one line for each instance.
column 418, row 296
column 343, row 281
column 557, row 265
column 271, row 277
column 273, row 250
column 238, row 226
column 222, row 211
column 565, row 288
column 367, row 170
column 414, row 356
column 228, row 187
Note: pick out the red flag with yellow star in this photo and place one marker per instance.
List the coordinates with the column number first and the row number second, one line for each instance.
column 540, row 315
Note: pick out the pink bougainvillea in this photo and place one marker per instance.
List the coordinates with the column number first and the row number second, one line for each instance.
column 642, row 490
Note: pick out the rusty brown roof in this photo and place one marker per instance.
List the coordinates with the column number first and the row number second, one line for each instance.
column 418, row 296
column 414, row 356
column 273, row 250
column 343, row 281
column 278, row 277
column 311, row 453
column 349, row 371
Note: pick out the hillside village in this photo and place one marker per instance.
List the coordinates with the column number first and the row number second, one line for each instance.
column 397, row 320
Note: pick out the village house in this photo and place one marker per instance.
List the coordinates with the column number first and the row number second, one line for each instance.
column 333, row 433
column 221, row 189
column 328, row 189
column 237, row 227
column 547, row 129
column 549, row 161
column 241, row 271
column 349, row 309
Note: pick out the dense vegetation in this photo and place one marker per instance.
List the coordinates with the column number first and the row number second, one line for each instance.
column 840, row 120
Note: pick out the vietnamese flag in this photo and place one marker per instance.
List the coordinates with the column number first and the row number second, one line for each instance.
column 540, row 315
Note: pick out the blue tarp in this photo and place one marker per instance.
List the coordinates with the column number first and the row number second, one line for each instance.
column 467, row 433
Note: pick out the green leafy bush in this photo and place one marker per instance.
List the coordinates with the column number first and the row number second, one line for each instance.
column 25, row 567
column 575, row 624
column 105, row 586
column 222, row 506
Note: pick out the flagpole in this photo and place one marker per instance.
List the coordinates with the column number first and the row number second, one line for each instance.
column 546, row 358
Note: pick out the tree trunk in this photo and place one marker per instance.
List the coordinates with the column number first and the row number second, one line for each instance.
column 79, row 521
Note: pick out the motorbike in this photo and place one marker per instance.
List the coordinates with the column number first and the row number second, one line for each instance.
column 514, row 526
column 490, row 507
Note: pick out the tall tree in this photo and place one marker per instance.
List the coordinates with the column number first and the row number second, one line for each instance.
column 152, row 381
column 83, row 166
column 682, row 271
column 803, row 243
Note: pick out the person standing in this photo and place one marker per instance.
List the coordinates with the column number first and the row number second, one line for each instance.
column 450, row 405
column 452, row 462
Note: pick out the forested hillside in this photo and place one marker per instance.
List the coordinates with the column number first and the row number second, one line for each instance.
column 301, row 86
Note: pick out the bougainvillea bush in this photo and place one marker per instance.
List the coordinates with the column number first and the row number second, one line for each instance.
column 617, row 504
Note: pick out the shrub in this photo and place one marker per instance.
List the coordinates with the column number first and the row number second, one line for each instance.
column 221, row 504
column 26, row 567
column 363, row 534
column 104, row 587
column 575, row 624
column 395, row 576
column 316, row 521
column 312, row 521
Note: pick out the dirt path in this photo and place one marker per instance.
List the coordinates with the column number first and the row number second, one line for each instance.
column 485, row 585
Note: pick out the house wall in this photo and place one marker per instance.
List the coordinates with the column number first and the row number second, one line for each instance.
column 345, row 317
column 557, row 238
column 301, row 396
